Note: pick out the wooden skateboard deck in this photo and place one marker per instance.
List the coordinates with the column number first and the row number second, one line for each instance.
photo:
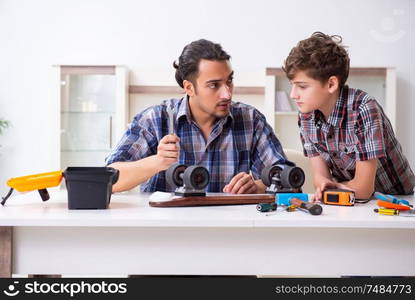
column 215, row 200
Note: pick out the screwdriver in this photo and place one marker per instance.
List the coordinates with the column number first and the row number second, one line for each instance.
column 313, row 209
column 170, row 113
column 391, row 199
column 386, row 211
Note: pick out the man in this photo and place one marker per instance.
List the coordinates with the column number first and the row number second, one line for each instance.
column 344, row 131
column 229, row 139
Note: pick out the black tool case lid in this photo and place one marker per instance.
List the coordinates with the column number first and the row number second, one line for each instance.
column 91, row 174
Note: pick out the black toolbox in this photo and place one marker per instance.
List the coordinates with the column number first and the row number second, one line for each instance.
column 89, row 187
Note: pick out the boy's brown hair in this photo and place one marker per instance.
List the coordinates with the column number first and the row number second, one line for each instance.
column 320, row 57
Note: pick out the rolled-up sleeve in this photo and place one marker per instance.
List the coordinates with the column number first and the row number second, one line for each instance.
column 138, row 142
column 369, row 132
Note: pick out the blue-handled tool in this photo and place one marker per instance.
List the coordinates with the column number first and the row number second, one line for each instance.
column 300, row 200
column 285, row 198
column 392, row 199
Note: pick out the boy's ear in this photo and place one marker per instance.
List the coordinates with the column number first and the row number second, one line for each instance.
column 189, row 88
column 333, row 84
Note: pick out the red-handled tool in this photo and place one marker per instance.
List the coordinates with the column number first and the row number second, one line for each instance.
column 387, row 204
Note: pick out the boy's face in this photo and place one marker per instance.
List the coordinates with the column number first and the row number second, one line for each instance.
column 214, row 86
column 309, row 94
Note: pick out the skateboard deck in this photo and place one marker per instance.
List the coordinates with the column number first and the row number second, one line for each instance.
column 215, row 200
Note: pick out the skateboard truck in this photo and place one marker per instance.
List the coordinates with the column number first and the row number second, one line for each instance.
column 282, row 179
column 285, row 182
column 189, row 181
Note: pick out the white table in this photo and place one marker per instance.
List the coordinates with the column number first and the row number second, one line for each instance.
column 133, row 238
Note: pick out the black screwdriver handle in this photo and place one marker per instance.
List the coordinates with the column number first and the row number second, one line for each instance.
column 314, row 209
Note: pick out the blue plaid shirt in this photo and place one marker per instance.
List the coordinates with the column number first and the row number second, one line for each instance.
column 241, row 142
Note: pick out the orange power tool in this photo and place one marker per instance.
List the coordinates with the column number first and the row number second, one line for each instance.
column 34, row 182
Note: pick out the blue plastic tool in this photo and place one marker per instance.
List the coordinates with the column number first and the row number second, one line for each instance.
column 285, row 198
column 392, row 199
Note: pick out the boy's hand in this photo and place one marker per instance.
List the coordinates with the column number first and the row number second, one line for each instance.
column 241, row 183
column 327, row 184
column 168, row 151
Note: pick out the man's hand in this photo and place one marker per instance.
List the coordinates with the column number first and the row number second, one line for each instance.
column 241, row 183
column 168, row 151
column 328, row 184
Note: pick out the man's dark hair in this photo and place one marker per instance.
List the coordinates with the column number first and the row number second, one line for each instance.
column 320, row 57
column 188, row 66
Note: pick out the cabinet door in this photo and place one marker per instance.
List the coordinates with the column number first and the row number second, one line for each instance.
column 88, row 110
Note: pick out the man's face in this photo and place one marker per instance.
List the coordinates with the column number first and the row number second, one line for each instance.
column 214, row 87
column 309, row 94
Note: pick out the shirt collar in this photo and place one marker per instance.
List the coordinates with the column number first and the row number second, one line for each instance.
column 337, row 114
column 184, row 111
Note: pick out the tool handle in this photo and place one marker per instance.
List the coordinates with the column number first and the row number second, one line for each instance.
column 7, row 197
column 314, row 209
column 44, row 194
column 382, row 197
column 391, row 199
column 387, row 204
column 386, row 211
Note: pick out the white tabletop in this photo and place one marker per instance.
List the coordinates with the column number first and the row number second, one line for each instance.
column 131, row 209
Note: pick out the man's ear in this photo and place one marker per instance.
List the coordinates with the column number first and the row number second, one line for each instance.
column 333, row 84
column 189, row 88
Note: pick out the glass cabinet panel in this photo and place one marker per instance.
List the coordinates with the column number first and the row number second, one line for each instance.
column 88, row 109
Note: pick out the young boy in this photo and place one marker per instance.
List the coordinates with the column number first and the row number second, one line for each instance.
column 344, row 131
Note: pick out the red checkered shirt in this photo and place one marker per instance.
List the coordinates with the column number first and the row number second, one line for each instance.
column 357, row 129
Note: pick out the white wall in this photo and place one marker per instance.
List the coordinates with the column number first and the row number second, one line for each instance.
column 148, row 35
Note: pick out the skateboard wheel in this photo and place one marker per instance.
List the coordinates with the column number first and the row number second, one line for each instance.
column 196, row 177
column 174, row 174
column 267, row 174
column 292, row 177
